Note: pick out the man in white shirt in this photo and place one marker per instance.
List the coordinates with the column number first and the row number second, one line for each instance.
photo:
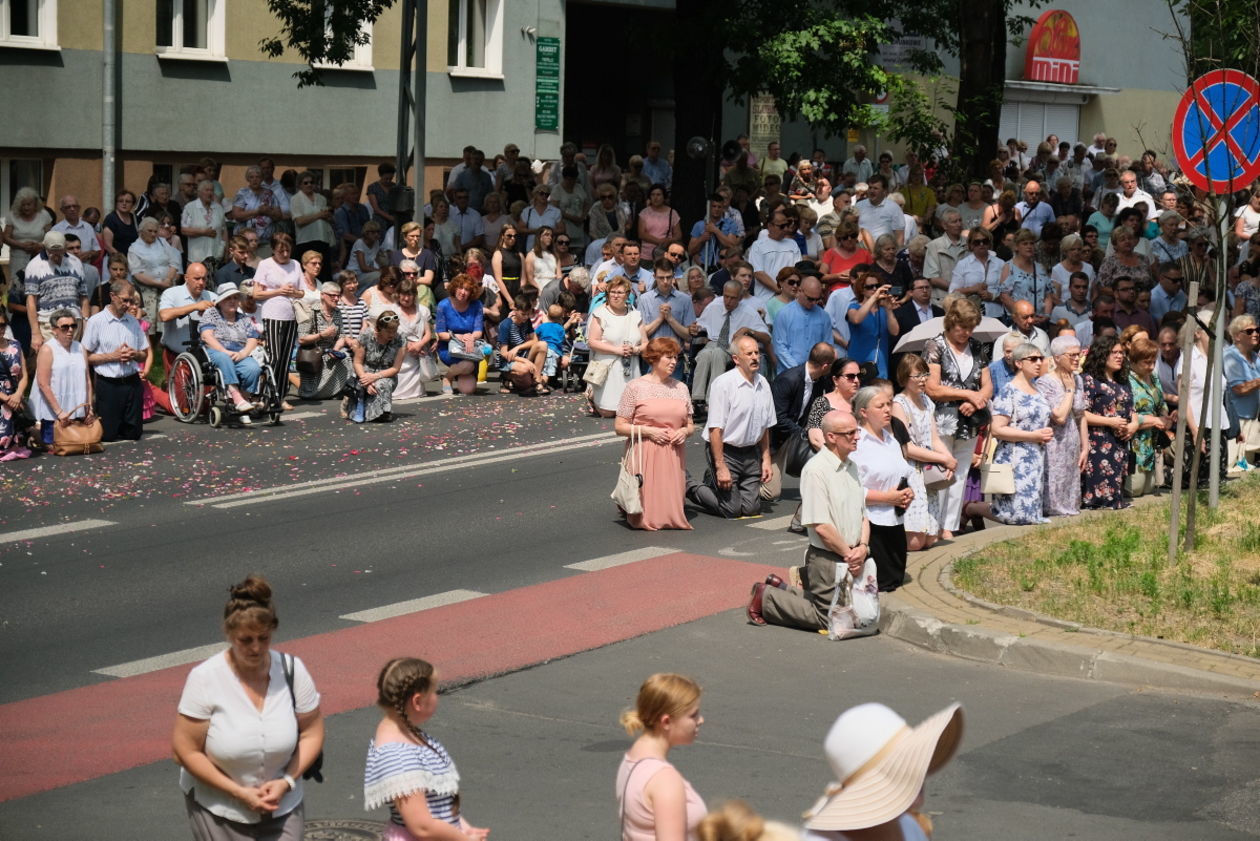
column 737, row 437
column 723, row 320
column 73, row 223
column 943, row 253
column 770, row 254
column 113, row 340
column 859, row 165
column 204, row 225
column 1130, row 195
column 472, row 231
column 877, row 215
column 1078, row 168
column 1023, row 325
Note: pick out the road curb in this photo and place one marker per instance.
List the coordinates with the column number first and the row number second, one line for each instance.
column 932, row 612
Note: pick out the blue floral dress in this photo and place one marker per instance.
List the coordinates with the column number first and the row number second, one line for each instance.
column 1027, row 412
column 1108, row 462
column 10, row 376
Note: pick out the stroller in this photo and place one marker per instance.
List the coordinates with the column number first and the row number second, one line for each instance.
column 579, row 357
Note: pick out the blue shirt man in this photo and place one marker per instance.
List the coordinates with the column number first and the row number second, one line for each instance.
column 1168, row 295
column 1034, row 213
column 800, row 325
column 656, row 168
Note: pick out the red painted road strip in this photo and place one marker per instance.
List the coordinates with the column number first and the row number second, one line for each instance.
column 81, row 734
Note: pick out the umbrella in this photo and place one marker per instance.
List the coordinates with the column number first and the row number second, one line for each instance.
column 989, row 330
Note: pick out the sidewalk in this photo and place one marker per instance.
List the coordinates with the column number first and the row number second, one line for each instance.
column 932, row 613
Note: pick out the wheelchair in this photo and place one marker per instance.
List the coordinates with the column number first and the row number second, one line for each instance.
column 196, row 389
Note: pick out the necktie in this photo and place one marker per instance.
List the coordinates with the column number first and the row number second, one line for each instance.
column 724, row 336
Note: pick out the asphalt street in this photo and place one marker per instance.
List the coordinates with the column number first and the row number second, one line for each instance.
column 491, row 494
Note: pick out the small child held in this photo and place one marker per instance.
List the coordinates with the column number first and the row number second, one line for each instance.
column 552, row 332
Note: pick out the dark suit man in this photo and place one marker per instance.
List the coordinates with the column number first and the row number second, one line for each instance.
column 918, row 309
column 793, row 392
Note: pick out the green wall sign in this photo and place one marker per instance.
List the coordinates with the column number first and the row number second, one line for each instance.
column 547, row 85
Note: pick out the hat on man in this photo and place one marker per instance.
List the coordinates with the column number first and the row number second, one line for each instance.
column 55, row 239
column 226, row 290
column 880, row 763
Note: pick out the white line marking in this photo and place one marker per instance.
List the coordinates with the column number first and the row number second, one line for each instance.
column 54, row 531
column 392, row 474
column 620, row 558
column 772, row 525
column 389, row 611
column 162, row 661
column 292, row 416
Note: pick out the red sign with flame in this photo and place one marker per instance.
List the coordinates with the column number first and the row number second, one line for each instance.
column 1054, row 50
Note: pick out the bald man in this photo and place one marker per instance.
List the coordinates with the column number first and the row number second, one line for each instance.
column 1034, row 213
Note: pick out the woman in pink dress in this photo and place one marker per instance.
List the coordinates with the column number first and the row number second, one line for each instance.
column 656, row 409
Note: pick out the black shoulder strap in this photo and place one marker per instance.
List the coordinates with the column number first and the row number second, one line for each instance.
column 286, row 661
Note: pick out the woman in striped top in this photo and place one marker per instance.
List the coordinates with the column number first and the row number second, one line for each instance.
column 407, row 768
column 353, row 311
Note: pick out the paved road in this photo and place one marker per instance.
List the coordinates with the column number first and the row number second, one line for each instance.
column 1058, row 756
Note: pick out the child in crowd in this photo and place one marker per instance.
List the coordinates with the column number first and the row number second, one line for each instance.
column 552, row 331
column 521, row 353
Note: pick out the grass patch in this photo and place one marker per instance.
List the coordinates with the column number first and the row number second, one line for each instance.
column 1112, row 572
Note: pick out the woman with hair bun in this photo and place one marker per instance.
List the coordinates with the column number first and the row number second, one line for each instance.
column 735, row 821
column 656, row 802
column 245, row 734
column 407, row 769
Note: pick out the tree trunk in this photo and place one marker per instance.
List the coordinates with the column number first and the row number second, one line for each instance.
column 698, row 95
column 981, row 77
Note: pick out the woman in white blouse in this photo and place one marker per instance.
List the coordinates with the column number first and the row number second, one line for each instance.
column 312, row 219
column 154, row 266
column 885, row 476
column 249, row 725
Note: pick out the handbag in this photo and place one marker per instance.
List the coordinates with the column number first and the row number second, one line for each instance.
column 310, row 360
column 858, row 615
column 796, row 452
column 934, row 477
column 457, row 350
column 79, row 437
column 596, row 371
column 998, row 479
column 628, row 492
column 315, row 770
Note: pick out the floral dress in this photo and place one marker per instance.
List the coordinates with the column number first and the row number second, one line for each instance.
column 1108, row 463
column 378, row 357
column 1148, row 399
column 1028, row 412
column 10, row 376
column 923, row 515
column 949, row 421
column 1062, row 494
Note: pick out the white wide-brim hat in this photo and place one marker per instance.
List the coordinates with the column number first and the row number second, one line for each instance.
column 881, row 763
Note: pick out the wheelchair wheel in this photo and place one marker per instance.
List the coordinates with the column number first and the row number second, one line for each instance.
column 185, row 387
column 216, row 417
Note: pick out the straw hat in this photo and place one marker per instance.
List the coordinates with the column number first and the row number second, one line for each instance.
column 880, row 763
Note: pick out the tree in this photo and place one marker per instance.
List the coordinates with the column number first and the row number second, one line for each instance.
column 320, row 31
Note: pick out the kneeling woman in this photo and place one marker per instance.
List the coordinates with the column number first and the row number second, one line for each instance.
column 407, row 769
column 229, row 340
column 378, row 357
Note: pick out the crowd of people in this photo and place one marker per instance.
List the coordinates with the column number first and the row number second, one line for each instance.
column 249, row 731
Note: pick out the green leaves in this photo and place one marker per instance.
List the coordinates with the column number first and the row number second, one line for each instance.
column 321, row 31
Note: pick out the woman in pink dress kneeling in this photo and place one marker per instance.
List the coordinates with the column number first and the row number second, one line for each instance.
column 657, row 408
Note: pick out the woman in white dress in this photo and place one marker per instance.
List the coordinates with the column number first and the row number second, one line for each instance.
column 541, row 266
column 616, row 337
column 418, row 365
column 917, row 411
column 62, row 383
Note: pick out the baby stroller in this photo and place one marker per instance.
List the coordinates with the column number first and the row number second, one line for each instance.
column 579, row 357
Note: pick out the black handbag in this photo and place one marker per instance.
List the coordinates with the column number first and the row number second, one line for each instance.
column 310, row 360
column 315, row 770
column 796, row 452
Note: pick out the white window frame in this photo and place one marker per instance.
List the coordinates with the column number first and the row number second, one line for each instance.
column 495, row 13
column 361, row 61
column 46, row 17
column 216, row 28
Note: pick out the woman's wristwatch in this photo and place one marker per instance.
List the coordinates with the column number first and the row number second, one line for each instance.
column 288, row 778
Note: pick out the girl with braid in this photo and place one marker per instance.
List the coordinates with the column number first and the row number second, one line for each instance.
column 244, row 734
column 406, row 767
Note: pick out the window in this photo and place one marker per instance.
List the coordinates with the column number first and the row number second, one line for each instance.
column 361, row 59
column 191, row 28
column 474, row 44
column 28, row 23
column 1033, row 122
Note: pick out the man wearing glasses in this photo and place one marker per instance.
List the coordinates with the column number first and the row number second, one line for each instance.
column 1168, row 295
column 115, row 342
column 54, row 281
column 1130, row 194
column 770, row 254
column 800, row 325
column 711, row 235
column 943, row 253
column 73, row 223
column 1034, row 213
column 833, row 512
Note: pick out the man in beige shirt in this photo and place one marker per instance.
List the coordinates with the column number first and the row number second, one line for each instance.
column 833, row 511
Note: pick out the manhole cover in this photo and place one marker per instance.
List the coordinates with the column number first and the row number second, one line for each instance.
column 343, row 830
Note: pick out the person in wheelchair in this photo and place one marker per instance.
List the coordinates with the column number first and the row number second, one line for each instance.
column 228, row 339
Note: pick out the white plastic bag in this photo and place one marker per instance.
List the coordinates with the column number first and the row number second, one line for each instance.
column 854, row 610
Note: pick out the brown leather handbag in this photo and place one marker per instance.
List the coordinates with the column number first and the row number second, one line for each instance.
column 79, row 437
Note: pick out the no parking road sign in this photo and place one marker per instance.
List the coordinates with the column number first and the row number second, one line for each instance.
column 1216, row 131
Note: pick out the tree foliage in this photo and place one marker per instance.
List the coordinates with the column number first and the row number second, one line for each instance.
column 321, row 31
column 1216, row 34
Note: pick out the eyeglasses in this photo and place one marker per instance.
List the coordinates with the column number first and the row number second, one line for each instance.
column 847, row 433
column 71, row 327
column 780, row 224
column 979, row 242
column 922, row 376
column 853, row 377
column 1032, row 359
column 127, row 299
column 793, row 281
column 1250, row 331
column 386, row 320
column 562, row 242
column 813, row 299
column 509, row 236
column 411, row 274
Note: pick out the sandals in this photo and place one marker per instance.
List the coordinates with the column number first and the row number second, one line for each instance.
column 541, row 389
